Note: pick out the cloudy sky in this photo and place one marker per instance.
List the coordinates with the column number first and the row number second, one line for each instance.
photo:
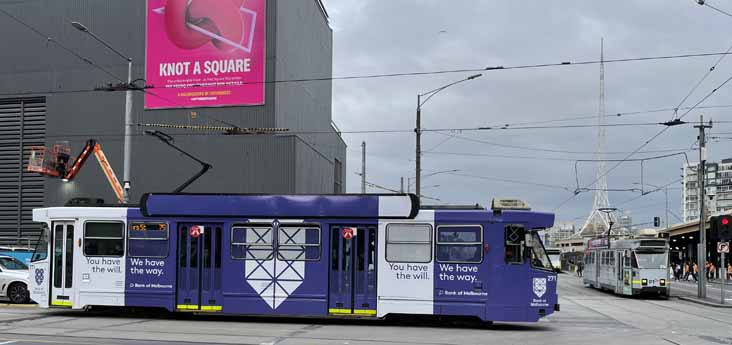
column 391, row 36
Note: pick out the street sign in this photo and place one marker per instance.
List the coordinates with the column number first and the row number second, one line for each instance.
column 348, row 233
column 195, row 231
column 723, row 247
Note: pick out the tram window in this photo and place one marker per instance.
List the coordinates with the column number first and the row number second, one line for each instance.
column 298, row 243
column 217, row 259
column 41, row 252
column 252, row 242
column 539, row 258
column 514, row 237
column 58, row 254
column 460, row 243
column 409, row 243
column 148, row 240
column 104, row 239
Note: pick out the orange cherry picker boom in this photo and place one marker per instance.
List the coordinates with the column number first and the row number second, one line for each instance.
column 54, row 163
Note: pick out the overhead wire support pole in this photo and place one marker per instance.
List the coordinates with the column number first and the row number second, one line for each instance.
column 418, row 128
column 363, row 167
column 126, row 184
column 701, row 175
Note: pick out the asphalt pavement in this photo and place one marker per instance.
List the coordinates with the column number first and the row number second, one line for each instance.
column 588, row 316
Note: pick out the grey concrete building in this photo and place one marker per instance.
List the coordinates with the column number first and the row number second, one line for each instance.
column 43, row 100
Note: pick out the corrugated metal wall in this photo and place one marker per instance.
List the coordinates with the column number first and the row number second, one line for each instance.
column 22, row 125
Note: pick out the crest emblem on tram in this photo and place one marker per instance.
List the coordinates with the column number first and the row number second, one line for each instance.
column 273, row 276
column 39, row 276
column 539, row 287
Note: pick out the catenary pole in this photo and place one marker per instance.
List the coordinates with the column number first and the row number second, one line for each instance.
column 363, row 167
column 701, row 174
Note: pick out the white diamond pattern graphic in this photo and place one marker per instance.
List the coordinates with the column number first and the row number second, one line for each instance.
column 275, row 280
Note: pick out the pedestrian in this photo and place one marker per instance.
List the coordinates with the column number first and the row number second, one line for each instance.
column 686, row 271
column 695, row 271
column 679, row 272
column 712, row 271
column 672, row 272
column 580, row 267
column 729, row 270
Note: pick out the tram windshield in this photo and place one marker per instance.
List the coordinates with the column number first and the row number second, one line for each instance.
column 539, row 258
column 651, row 260
column 41, row 252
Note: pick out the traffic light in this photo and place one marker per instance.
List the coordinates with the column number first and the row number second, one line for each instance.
column 656, row 221
column 723, row 227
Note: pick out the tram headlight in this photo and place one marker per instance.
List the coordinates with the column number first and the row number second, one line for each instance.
column 644, row 282
column 663, row 282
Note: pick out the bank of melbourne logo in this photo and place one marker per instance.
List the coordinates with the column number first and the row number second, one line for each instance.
column 539, row 287
column 39, row 276
column 275, row 276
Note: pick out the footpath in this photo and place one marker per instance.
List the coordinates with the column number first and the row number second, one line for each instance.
column 688, row 291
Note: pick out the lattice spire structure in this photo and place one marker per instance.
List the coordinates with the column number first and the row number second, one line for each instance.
column 599, row 222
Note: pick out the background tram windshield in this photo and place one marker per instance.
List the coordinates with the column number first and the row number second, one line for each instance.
column 651, row 260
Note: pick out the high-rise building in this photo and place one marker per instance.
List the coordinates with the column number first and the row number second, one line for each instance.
column 718, row 186
column 625, row 224
column 560, row 231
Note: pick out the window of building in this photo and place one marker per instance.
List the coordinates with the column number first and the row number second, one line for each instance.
column 298, row 243
column 104, row 239
column 252, row 242
column 513, row 243
column 150, row 240
column 410, row 243
column 460, row 243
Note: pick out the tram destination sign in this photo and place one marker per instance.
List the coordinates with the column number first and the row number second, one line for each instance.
column 602, row 242
column 148, row 226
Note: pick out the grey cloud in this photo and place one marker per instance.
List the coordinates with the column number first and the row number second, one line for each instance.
column 380, row 36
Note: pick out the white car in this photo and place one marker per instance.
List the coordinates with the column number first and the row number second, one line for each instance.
column 14, row 281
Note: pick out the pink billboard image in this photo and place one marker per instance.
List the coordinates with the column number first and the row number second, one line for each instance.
column 205, row 53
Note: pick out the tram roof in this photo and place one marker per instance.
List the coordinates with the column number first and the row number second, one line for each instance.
column 350, row 206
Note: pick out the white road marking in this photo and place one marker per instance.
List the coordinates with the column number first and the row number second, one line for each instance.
column 8, row 342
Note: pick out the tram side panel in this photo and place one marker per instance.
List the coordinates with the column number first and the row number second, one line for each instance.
column 463, row 261
column 406, row 268
column 520, row 291
column 151, row 262
column 100, row 261
column 261, row 280
column 84, row 261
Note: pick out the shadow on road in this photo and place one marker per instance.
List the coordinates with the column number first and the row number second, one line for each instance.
column 390, row 321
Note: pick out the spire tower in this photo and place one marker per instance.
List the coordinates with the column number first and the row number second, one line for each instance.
column 598, row 222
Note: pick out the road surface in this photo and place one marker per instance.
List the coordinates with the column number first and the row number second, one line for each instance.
column 587, row 317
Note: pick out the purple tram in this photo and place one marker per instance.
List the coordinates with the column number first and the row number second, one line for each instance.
column 297, row 255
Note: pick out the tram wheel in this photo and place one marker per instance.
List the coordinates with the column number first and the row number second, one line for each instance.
column 18, row 293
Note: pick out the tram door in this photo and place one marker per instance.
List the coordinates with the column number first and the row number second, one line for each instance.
column 62, row 271
column 627, row 273
column 199, row 267
column 352, row 270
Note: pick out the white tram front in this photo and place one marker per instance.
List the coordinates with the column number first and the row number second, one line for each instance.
column 628, row 266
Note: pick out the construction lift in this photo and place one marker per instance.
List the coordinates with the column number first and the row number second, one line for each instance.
column 54, row 163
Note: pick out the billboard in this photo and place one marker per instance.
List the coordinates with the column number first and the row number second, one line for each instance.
column 203, row 53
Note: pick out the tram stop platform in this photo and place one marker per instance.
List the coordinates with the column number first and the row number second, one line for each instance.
column 688, row 291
